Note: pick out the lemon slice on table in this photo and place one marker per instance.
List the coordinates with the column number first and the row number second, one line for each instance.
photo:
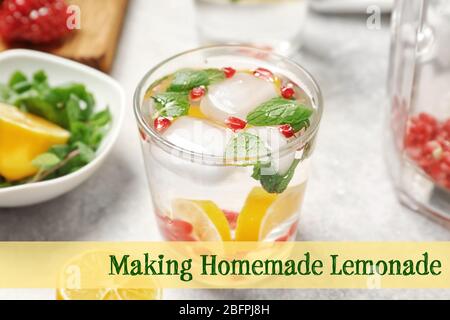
column 207, row 219
column 109, row 294
column 263, row 212
column 23, row 137
column 89, row 266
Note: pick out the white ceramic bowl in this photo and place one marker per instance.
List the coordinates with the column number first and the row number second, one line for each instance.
column 107, row 92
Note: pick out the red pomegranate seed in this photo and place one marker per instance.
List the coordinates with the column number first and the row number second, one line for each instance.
column 293, row 229
column 232, row 218
column 180, row 227
column 287, row 131
column 235, row 123
column 161, row 124
column 284, row 238
column 287, row 92
column 229, row 72
column 263, row 74
column 197, row 93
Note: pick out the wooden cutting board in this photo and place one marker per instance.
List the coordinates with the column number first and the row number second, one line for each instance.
column 96, row 42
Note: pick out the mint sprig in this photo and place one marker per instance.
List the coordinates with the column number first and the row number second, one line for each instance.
column 274, row 183
column 187, row 79
column 247, row 149
column 172, row 104
column 280, row 111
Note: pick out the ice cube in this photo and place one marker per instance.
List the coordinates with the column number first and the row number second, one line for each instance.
column 275, row 141
column 236, row 97
column 198, row 136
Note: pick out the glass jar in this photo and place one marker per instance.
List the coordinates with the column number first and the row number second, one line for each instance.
column 419, row 119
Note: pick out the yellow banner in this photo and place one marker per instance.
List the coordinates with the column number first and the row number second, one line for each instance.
column 86, row 265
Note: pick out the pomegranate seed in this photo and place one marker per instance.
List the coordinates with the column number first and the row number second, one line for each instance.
column 293, row 229
column 284, row 238
column 263, row 74
column 161, row 124
column 287, row 92
column 197, row 93
column 287, row 131
column 180, row 227
column 229, row 72
column 235, row 123
column 232, row 218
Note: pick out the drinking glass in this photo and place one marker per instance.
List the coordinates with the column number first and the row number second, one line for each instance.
column 270, row 24
column 199, row 196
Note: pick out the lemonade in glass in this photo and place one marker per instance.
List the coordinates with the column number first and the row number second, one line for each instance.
column 227, row 134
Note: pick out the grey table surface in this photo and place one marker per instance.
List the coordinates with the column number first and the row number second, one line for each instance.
column 349, row 197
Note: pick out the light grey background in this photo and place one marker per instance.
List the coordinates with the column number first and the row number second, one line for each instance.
column 349, row 197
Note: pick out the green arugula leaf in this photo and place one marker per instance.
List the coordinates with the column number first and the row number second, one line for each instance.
column 172, row 104
column 246, row 149
column 279, row 111
column 274, row 183
column 187, row 79
column 46, row 161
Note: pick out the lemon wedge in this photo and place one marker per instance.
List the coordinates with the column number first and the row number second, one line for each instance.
column 209, row 222
column 23, row 137
column 263, row 212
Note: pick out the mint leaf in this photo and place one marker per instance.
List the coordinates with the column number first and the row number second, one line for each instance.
column 214, row 75
column 274, row 183
column 279, row 111
column 40, row 77
column 46, row 161
column 101, row 118
column 5, row 92
column 299, row 126
column 172, row 104
column 246, row 149
column 60, row 150
column 187, row 79
column 16, row 78
column 86, row 153
column 4, row 183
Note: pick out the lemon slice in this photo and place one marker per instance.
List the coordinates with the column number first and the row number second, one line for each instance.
column 23, row 137
column 251, row 216
column 88, row 267
column 283, row 209
column 208, row 220
column 263, row 212
column 109, row 294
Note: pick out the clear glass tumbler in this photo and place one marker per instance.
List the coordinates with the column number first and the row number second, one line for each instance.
column 204, row 197
column 419, row 123
column 270, row 24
